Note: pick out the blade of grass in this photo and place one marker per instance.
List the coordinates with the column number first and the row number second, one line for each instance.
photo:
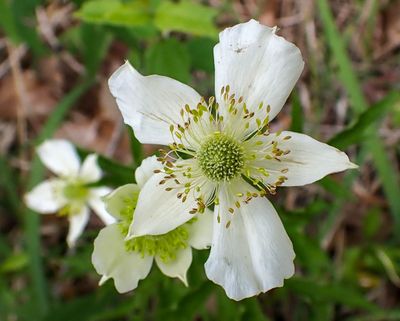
column 355, row 133
column 31, row 219
column 8, row 182
column 389, row 175
column 297, row 114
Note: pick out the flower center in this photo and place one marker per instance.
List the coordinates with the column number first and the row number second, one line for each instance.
column 221, row 158
column 75, row 192
column 165, row 246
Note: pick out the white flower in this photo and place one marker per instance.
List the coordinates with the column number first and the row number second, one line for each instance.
column 128, row 261
column 231, row 160
column 69, row 193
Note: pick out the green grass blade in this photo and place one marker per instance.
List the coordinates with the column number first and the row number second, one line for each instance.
column 338, row 47
column 356, row 132
column 358, row 103
column 8, row 182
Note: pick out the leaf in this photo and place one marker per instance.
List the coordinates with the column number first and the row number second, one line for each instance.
column 14, row 263
column 188, row 306
column 114, row 12
column 115, row 174
column 201, row 53
column 356, row 132
column 95, row 42
column 24, row 19
column 136, row 147
column 7, row 21
column 331, row 292
column 297, row 114
column 169, row 58
column 186, row 16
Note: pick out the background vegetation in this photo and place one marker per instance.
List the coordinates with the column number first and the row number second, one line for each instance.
column 55, row 58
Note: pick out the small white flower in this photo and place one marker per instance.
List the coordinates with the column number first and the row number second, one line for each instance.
column 69, row 193
column 128, row 261
column 232, row 160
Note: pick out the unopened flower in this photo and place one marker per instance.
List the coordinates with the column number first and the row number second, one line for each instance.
column 223, row 154
column 69, row 194
column 128, row 261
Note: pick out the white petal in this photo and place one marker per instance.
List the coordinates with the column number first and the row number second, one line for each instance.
column 115, row 202
column 150, row 104
column 200, row 232
column 146, row 170
column 159, row 211
column 254, row 254
column 77, row 223
column 60, row 157
column 179, row 267
column 111, row 260
column 98, row 205
column 90, row 171
column 46, row 197
column 308, row 161
column 257, row 65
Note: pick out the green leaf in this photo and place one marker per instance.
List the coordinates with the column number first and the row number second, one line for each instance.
column 186, row 16
column 14, row 263
column 329, row 293
column 297, row 114
column 8, row 181
column 7, row 21
column 189, row 305
column 136, row 147
column 372, row 222
column 356, row 132
column 115, row 174
column 24, row 19
column 169, row 58
column 114, row 12
column 201, row 53
column 95, row 42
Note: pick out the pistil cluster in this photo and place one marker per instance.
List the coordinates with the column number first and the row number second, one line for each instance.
column 223, row 145
column 164, row 246
column 76, row 193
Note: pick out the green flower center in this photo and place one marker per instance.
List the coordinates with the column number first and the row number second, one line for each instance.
column 76, row 193
column 221, row 158
column 164, row 246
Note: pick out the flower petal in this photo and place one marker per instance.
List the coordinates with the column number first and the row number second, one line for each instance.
column 200, row 231
column 257, row 64
column 159, row 211
column 252, row 255
column 46, row 197
column 146, row 170
column 90, row 171
column 115, row 202
column 77, row 223
column 111, row 260
column 150, row 104
column 178, row 267
column 98, row 206
column 308, row 160
column 60, row 157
